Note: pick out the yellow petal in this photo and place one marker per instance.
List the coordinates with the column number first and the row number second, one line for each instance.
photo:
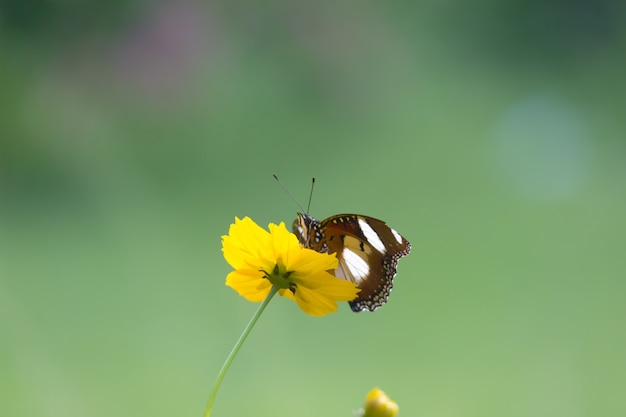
column 309, row 261
column 247, row 245
column 250, row 284
column 314, row 303
column 328, row 286
column 284, row 244
column 285, row 292
column 317, row 294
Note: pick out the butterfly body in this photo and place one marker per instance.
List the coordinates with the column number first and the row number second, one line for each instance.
column 367, row 249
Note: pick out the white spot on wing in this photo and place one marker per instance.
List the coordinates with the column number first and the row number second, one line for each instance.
column 371, row 236
column 397, row 236
column 359, row 269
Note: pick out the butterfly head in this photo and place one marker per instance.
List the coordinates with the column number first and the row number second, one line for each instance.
column 307, row 229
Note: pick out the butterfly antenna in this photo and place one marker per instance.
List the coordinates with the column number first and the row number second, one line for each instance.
column 308, row 207
column 288, row 193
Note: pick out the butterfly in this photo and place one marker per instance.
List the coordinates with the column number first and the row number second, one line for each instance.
column 367, row 249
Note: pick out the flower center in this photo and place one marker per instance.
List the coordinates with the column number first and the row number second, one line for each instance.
column 280, row 276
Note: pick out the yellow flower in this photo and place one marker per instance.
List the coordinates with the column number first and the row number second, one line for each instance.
column 377, row 404
column 262, row 259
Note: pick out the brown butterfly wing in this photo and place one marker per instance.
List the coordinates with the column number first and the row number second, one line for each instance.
column 367, row 249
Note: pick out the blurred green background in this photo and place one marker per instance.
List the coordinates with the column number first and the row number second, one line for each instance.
column 490, row 133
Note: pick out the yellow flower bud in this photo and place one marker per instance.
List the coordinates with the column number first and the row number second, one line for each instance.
column 377, row 404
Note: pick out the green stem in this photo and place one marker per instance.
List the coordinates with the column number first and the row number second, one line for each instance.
column 233, row 352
